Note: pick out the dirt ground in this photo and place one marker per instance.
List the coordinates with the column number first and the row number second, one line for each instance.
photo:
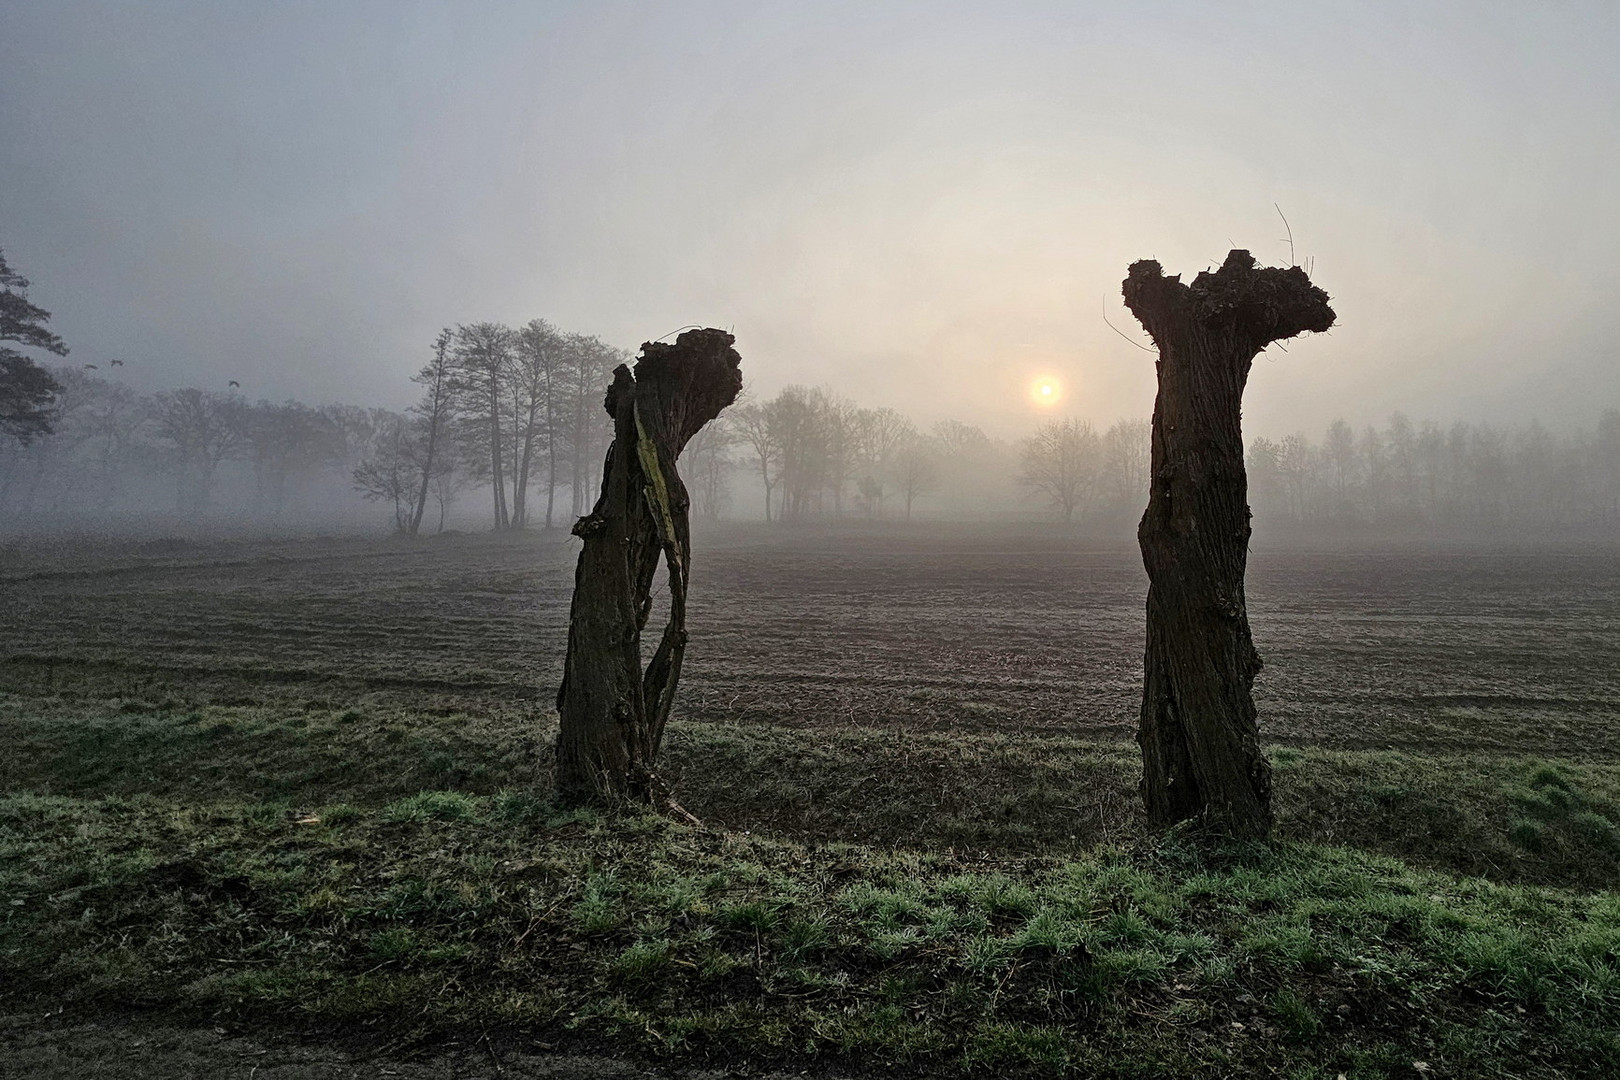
column 968, row 629
column 40, row 1049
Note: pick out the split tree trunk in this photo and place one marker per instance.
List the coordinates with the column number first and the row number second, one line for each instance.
column 1201, row 756
column 612, row 713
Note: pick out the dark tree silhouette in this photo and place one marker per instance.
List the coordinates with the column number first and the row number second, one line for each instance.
column 434, row 413
column 612, row 713
column 1201, row 752
column 482, row 355
column 27, row 391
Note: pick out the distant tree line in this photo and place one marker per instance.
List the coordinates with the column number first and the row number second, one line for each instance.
column 517, row 412
column 524, row 406
column 109, row 449
column 513, row 411
column 1406, row 475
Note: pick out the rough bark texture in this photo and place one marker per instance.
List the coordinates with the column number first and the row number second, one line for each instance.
column 612, row 713
column 1201, row 753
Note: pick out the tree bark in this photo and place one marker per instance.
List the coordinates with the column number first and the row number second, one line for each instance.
column 612, row 713
column 1201, row 756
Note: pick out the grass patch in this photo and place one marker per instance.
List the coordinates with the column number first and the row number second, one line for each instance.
column 1506, row 818
column 401, row 874
column 667, row 938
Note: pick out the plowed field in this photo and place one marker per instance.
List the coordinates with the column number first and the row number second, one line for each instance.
column 1002, row 630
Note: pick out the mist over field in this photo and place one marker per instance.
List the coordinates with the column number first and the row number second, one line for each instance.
column 923, row 210
column 601, row 539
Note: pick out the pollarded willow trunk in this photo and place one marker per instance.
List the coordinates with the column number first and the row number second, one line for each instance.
column 612, row 713
column 1201, row 756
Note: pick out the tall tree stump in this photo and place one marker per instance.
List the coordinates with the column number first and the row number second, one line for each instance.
column 1201, row 756
column 612, row 712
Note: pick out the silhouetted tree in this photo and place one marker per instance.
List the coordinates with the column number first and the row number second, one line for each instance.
column 447, row 479
column 538, row 371
column 1200, row 746
column 483, row 356
column 286, row 441
column 588, row 364
column 27, row 391
column 434, row 413
column 611, row 712
column 796, row 426
column 879, row 434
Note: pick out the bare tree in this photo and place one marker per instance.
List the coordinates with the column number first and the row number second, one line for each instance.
column 588, row 364
column 434, row 413
column 796, row 426
column 879, row 434
column 707, row 463
column 914, row 465
column 540, row 368
column 956, row 438
column 447, row 480
column 202, row 429
column 1201, row 752
column 752, row 423
column 838, row 424
column 1343, row 464
column 1061, row 463
column 391, row 473
column 283, row 442
column 483, row 355
column 1127, row 447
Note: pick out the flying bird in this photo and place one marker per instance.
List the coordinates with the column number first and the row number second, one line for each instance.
column 116, row 363
column 91, row 367
column 236, row 384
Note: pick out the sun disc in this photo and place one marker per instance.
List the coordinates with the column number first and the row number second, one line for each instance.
column 1046, row 391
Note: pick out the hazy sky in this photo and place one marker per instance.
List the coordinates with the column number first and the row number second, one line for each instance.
column 923, row 205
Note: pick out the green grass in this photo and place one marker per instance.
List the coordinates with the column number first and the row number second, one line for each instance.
column 367, row 873
column 661, row 936
column 1502, row 817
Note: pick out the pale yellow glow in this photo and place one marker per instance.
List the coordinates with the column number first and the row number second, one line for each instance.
column 1046, row 391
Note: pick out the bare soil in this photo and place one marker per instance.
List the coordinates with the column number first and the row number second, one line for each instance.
column 1515, row 650
column 44, row 1048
